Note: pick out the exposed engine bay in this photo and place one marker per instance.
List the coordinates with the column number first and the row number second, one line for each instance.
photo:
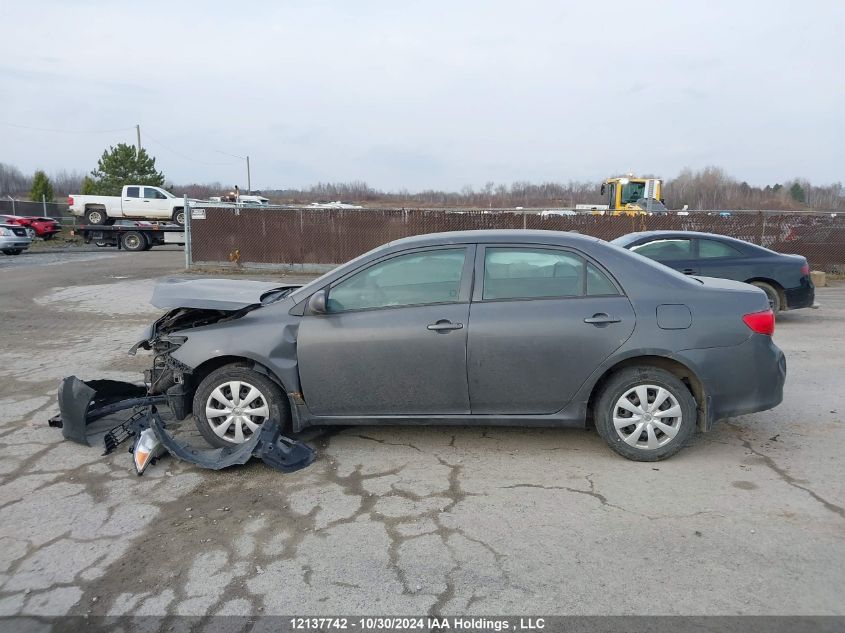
column 168, row 384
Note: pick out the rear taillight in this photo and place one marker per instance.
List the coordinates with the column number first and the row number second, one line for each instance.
column 70, row 201
column 761, row 322
column 805, row 269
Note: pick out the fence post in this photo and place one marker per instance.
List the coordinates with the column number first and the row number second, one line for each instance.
column 44, row 204
column 187, row 211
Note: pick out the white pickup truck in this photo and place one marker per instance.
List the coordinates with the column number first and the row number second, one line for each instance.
column 140, row 202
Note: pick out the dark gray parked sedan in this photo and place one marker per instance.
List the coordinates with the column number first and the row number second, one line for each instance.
column 784, row 278
column 479, row 327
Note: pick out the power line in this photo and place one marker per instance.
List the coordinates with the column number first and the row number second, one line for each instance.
column 180, row 154
column 44, row 129
column 126, row 129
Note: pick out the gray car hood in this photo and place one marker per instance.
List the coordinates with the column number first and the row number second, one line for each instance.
column 212, row 294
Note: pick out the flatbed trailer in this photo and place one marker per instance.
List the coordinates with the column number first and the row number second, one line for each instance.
column 131, row 237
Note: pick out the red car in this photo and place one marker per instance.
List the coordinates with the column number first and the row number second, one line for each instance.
column 44, row 227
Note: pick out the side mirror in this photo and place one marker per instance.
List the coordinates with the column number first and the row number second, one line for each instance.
column 317, row 302
column 602, row 190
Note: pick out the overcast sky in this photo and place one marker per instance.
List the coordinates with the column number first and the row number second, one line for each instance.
column 434, row 94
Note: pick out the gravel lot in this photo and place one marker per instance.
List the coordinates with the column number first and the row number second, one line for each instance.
column 747, row 520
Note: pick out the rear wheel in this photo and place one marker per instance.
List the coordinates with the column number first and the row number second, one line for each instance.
column 645, row 414
column 133, row 241
column 232, row 403
column 772, row 293
column 96, row 216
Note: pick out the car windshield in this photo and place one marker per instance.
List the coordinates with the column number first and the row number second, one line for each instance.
column 316, row 283
column 632, row 191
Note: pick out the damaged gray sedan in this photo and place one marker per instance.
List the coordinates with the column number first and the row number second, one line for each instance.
column 480, row 327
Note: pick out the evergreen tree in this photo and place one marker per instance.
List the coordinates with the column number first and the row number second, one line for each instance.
column 41, row 187
column 796, row 191
column 124, row 165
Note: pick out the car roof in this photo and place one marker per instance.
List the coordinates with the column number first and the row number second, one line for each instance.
column 747, row 247
column 562, row 238
column 691, row 234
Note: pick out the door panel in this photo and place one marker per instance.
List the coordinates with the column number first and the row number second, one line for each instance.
column 385, row 362
column 531, row 357
column 156, row 204
column 132, row 204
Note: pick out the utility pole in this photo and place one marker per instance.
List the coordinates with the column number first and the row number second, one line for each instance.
column 138, row 131
column 248, row 180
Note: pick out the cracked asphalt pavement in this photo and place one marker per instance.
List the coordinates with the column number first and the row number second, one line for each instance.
column 748, row 519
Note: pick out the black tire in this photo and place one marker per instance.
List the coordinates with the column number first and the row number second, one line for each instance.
column 133, row 241
column 623, row 382
column 270, row 394
column 48, row 237
column 179, row 216
column 12, row 251
column 96, row 217
column 772, row 293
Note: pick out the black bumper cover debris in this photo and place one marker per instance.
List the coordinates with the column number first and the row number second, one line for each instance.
column 83, row 402
column 269, row 445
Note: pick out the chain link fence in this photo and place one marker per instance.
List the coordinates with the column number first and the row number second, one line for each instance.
column 9, row 206
column 319, row 239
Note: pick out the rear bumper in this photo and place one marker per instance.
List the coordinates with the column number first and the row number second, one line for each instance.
column 801, row 297
column 742, row 379
column 14, row 241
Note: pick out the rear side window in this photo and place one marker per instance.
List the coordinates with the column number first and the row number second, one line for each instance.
column 132, row 192
column 665, row 250
column 413, row 279
column 598, row 283
column 709, row 249
column 530, row 273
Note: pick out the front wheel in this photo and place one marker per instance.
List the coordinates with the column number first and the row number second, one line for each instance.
column 232, row 403
column 645, row 414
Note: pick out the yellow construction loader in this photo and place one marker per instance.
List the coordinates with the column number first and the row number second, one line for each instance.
column 629, row 195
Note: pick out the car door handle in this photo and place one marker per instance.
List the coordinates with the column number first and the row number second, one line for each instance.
column 601, row 318
column 444, row 325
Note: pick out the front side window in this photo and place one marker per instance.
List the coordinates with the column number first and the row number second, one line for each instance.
column 530, row 273
column 665, row 250
column 132, row 192
column 413, row 279
column 155, row 194
column 709, row 249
